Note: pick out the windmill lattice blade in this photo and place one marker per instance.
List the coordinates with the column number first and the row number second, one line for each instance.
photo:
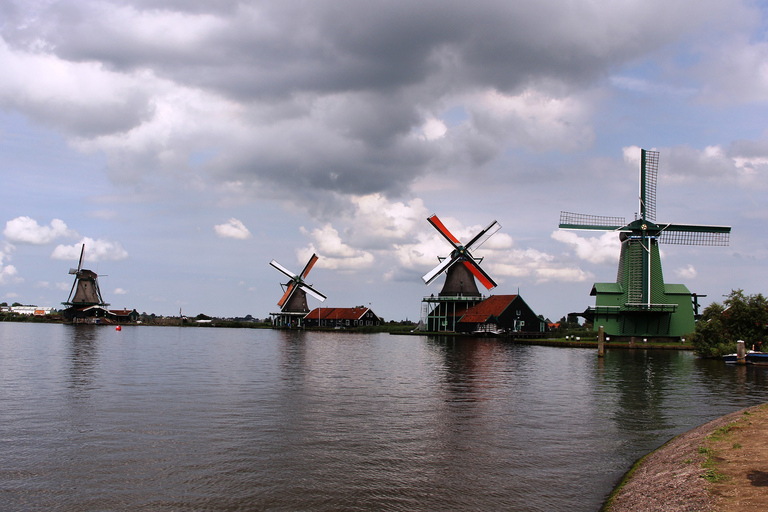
column 484, row 235
column 443, row 230
column 309, row 265
column 80, row 263
column 316, row 294
column 649, row 173
column 681, row 234
column 282, row 269
column 480, row 274
column 569, row 220
column 285, row 296
column 439, row 269
column 69, row 299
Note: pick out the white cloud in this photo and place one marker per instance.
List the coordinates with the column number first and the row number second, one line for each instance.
column 564, row 274
column 7, row 272
column 26, row 230
column 433, row 129
column 332, row 251
column 605, row 248
column 233, row 228
column 686, row 273
column 536, row 119
column 119, row 291
column 377, row 222
column 95, row 250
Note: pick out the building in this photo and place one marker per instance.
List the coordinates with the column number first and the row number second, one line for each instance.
column 501, row 313
column 359, row 316
column 95, row 314
column 31, row 310
column 125, row 315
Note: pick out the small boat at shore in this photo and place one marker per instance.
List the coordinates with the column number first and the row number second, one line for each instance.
column 752, row 357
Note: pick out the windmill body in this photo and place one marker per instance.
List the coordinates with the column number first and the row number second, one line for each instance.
column 85, row 292
column 293, row 303
column 640, row 303
column 462, row 271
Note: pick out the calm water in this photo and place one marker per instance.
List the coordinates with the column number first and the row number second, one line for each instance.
column 222, row 419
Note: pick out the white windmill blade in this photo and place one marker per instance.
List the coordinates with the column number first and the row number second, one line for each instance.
column 316, row 294
column 283, row 269
column 439, row 269
column 484, row 235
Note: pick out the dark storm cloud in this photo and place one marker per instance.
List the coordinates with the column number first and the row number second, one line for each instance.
column 330, row 95
column 257, row 49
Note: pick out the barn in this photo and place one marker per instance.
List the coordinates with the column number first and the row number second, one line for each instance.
column 359, row 316
column 501, row 313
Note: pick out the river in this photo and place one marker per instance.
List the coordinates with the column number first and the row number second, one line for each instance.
column 208, row 419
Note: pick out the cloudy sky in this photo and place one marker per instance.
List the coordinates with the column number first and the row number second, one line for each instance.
column 188, row 143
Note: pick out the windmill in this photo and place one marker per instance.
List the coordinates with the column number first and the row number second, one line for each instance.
column 640, row 303
column 459, row 291
column 293, row 303
column 85, row 290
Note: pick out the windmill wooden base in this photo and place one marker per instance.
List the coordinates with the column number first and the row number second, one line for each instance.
column 441, row 313
column 288, row 319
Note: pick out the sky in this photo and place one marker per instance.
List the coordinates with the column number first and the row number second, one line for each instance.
column 189, row 143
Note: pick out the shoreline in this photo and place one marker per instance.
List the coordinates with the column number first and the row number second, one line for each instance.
column 696, row 470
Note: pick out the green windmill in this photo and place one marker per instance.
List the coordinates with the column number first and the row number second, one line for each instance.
column 640, row 304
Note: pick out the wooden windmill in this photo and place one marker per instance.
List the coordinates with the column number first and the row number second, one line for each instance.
column 293, row 303
column 85, row 290
column 640, row 303
column 460, row 290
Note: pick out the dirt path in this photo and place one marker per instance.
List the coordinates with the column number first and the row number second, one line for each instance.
column 721, row 465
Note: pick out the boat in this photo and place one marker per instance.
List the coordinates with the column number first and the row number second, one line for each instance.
column 752, row 357
column 760, row 358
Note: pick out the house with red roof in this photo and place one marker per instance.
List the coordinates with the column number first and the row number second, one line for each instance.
column 359, row 316
column 497, row 313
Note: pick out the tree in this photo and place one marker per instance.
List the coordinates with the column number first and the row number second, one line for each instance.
column 740, row 317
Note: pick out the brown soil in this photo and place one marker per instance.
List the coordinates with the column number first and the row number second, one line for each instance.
column 721, row 465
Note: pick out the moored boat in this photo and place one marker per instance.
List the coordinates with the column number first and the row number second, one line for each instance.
column 751, row 357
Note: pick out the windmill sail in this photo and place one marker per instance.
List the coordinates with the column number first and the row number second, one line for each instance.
column 460, row 278
column 290, row 301
column 649, row 170
column 570, row 220
column 684, row 234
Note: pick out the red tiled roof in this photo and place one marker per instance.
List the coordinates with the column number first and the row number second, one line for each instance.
column 492, row 306
column 336, row 313
column 475, row 319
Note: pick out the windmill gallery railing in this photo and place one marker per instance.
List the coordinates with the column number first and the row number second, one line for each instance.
column 615, row 310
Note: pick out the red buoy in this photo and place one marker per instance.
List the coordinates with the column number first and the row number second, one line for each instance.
column 118, row 328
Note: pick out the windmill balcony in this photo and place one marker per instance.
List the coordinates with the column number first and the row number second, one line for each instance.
column 656, row 308
column 615, row 310
column 452, row 298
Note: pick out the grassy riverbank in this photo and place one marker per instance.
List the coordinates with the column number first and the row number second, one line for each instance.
column 717, row 466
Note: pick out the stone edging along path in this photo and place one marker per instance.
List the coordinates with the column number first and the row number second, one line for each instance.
column 721, row 465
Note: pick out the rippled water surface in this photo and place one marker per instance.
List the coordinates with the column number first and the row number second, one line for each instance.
column 163, row 418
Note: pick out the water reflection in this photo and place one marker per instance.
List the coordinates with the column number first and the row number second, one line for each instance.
column 204, row 419
column 83, row 354
column 641, row 380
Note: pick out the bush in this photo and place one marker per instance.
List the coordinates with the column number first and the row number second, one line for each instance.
column 740, row 317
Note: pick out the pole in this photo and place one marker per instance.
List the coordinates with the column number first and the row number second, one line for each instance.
column 741, row 352
column 600, row 342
